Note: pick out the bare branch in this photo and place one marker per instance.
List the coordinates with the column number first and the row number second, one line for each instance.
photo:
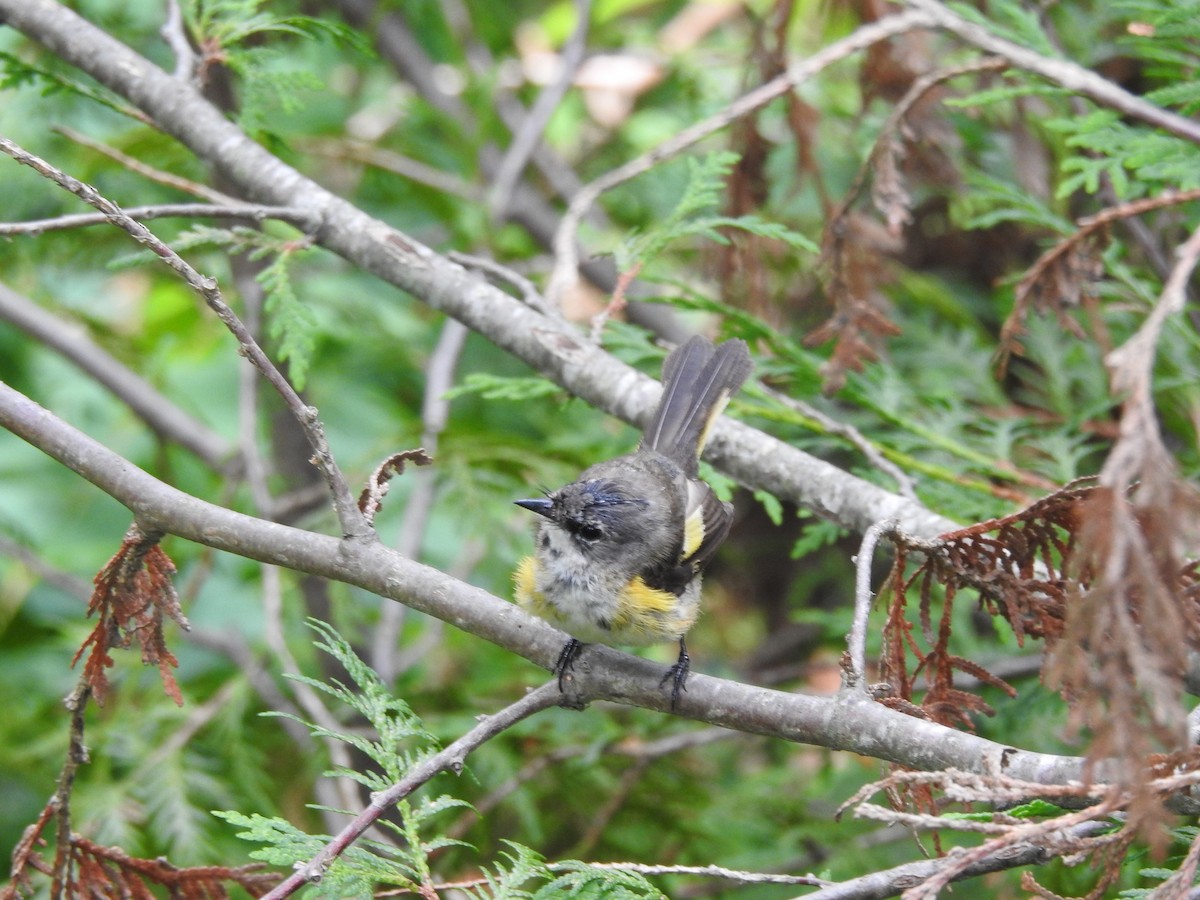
column 448, row 760
column 298, row 217
column 855, row 675
column 565, row 258
column 174, row 32
column 158, row 176
column 351, row 519
column 847, row 722
column 527, row 137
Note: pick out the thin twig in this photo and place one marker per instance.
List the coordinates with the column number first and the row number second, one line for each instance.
column 905, row 484
column 527, row 137
column 888, row 140
column 179, row 183
column 435, row 412
column 351, row 520
column 404, row 166
column 77, row 755
column 890, row 882
column 711, row 872
column 298, row 217
column 1086, row 228
column 1033, row 833
column 529, row 292
column 448, row 760
column 855, row 675
column 174, row 32
column 566, row 259
column 1131, row 371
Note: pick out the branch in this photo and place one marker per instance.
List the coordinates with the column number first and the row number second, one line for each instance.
column 848, row 722
column 854, row 676
column 448, row 760
column 133, row 164
column 891, row 882
column 545, row 343
column 352, row 522
column 565, row 257
column 1065, row 73
column 298, row 217
column 528, row 136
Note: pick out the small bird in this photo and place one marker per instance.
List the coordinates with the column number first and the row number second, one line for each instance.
column 619, row 551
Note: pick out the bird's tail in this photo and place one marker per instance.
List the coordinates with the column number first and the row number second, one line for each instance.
column 698, row 380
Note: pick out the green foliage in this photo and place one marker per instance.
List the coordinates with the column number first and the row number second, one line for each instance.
column 291, row 321
column 406, row 862
column 988, row 202
column 1008, row 19
column 585, row 882
column 493, row 387
column 393, row 722
column 17, row 73
column 1182, row 838
column 291, row 324
column 241, row 34
column 702, row 191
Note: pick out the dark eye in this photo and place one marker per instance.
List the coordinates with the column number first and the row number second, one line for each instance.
column 588, row 532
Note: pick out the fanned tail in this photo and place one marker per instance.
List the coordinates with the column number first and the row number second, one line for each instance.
column 698, row 380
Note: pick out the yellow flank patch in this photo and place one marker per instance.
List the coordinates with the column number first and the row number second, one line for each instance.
column 693, row 532
column 525, row 583
column 644, row 613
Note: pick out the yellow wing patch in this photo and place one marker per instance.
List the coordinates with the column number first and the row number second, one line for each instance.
column 693, row 532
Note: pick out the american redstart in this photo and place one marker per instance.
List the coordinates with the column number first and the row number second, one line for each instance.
column 619, row 551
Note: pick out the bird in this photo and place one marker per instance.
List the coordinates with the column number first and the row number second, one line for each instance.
column 619, row 552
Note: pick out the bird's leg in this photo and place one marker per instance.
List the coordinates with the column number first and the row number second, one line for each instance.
column 566, row 660
column 678, row 673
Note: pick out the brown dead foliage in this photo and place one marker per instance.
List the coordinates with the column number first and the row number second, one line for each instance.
column 87, row 869
column 370, row 501
column 1079, row 570
column 133, row 594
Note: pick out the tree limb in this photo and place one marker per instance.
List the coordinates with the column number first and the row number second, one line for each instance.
column 547, row 344
column 846, row 722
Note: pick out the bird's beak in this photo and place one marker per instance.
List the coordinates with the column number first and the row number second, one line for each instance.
column 540, row 505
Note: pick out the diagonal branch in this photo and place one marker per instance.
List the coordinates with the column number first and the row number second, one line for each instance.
column 450, row 759
column 352, row 522
column 545, row 343
column 1065, row 73
column 848, row 722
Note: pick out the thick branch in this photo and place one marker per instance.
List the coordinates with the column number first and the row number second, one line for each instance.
column 549, row 345
column 850, row 722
